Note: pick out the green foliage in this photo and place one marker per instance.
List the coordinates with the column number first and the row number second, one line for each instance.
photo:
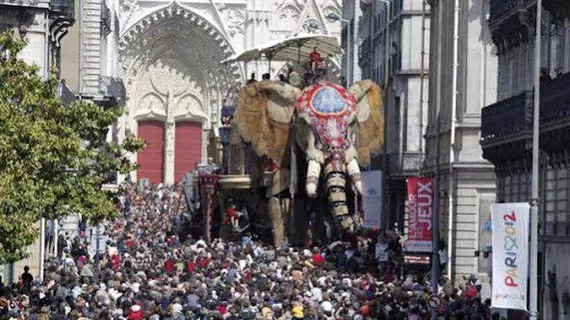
column 53, row 158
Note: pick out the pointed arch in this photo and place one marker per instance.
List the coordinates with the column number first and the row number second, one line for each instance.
column 312, row 12
column 289, row 13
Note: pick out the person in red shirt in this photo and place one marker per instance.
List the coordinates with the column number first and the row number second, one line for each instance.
column 316, row 59
column 318, row 259
column 231, row 215
column 203, row 262
column 223, row 309
column 190, row 266
column 136, row 313
column 116, row 260
column 130, row 240
column 169, row 265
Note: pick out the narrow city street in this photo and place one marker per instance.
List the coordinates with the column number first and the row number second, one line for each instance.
column 284, row 159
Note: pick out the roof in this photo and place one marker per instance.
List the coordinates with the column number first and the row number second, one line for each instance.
column 295, row 48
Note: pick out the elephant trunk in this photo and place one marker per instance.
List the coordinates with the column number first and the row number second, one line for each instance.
column 336, row 191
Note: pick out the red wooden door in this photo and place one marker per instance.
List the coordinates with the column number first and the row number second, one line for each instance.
column 151, row 159
column 188, row 146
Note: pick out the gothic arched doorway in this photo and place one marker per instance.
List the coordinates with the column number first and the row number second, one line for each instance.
column 150, row 160
column 171, row 62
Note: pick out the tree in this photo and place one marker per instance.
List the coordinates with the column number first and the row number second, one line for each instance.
column 54, row 158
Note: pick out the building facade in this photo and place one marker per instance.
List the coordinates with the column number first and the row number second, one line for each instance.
column 506, row 132
column 43, row 24
column 400, row 64
column 352, row 23
column 463, row 79
column 170, row 64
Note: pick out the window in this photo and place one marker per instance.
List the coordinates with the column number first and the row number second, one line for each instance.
column 396, row 133
column 405, row 128
column 398, row 7
column 485, row 233
column 556, row 192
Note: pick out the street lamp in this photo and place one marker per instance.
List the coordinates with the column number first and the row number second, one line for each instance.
column 334, row 17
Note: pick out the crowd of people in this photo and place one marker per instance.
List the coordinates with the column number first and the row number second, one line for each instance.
column 149, row 272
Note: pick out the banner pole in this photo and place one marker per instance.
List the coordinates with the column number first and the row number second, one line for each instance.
column 436, row 196
column 533, row 275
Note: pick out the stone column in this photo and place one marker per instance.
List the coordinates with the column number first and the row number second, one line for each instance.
column 169, row 139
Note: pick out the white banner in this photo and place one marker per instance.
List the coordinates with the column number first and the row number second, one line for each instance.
column 372, row 198
column 510, row 255
column 381, row 252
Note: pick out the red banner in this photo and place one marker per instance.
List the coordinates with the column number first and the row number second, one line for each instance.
column 420, row 207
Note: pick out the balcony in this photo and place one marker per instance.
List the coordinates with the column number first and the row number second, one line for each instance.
column 403, row 164
column 560, row 9
column 509, row 20
column 67, row 97
column 507, row 117
column 500, row 9
column 555, row 99
column 63, row 8
column 512, row 117
column 112, row 91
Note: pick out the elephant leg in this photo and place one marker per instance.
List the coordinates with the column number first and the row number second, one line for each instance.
column 286, row 214
column 301, row 218
column 276, row 221
column 319, row 222
column 353, row 171
column 313, row 173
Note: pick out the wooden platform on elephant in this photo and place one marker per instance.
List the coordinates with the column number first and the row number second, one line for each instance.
column 233, row 182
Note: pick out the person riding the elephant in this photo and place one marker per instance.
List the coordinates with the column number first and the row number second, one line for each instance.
column 294, row 78
column 316, row 60
column 232, row 215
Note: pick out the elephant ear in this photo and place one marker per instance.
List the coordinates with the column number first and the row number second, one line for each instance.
column 370, row 114
column 263, row 117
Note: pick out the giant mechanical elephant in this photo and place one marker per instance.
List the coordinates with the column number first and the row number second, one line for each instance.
column 336, row 129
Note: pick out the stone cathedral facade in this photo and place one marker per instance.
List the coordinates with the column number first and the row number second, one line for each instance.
column 169, row 60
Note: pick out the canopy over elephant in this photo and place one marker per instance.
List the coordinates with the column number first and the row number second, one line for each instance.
column 336, row 128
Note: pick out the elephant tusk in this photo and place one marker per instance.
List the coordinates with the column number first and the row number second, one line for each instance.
column 353, row 171
column 313, row 173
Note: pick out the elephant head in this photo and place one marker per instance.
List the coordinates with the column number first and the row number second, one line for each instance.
column 337, row 129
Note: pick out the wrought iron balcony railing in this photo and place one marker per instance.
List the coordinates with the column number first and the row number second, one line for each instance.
column 555, row 99
column 64, row 8
column 500, row 8
column 513, row 116
column 506, row 117
column 67, row 97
